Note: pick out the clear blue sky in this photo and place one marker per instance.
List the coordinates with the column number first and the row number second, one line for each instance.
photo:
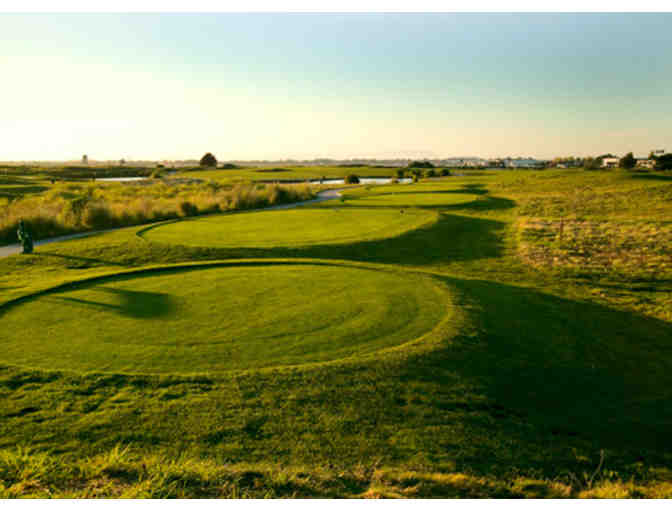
column 248, row 86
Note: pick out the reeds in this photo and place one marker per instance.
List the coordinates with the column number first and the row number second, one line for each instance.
column 70, row 208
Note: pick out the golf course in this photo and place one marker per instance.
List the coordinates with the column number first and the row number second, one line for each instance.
column 501, row 333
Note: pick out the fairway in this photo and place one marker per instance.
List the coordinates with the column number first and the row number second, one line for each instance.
column 295, row 227
column 220, row 319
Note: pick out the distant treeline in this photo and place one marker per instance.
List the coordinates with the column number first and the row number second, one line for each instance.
column 79, row 172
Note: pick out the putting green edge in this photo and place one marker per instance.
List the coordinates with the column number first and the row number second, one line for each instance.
column 444, row 331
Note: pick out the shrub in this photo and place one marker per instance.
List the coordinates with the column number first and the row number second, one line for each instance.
column 73, row 210
column 420, row 164
column 445, row 172
column 401, row 173
column 430, row 173
column 188, row 209
column 278, row 195
column 97, row 216
column 351, row 179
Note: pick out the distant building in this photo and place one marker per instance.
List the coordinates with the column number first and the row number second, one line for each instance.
column 645, row 163
column 525, row 163
column 610, row 162
column 85, row 159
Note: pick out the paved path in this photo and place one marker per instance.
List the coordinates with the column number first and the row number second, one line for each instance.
column 13, row 249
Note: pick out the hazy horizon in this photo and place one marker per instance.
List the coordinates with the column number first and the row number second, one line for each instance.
column 340, row 86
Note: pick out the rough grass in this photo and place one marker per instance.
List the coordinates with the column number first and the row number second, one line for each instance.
column 556, row 383
column 70, row 208
column 121, row 473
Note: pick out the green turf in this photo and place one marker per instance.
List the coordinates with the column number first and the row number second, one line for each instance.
column 295, row 227
column 406, row 199
column 218, row 319
column 556, row 355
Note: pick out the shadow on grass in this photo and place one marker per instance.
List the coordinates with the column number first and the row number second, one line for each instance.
column 469, row 189
column 79, row 262
column 483, row 205
column 578, row 369
column 13, row 191
column 451, row 238
column 652, row 177
column 131, row 303
column 486, row 203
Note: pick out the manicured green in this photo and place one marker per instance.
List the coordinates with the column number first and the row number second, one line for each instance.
column 211, row 320
column 548, row 374
column 295, row 227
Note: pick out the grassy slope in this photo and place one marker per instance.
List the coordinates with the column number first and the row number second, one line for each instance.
column 551, row 366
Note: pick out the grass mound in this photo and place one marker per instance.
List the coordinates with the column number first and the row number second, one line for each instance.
column 296, row 227
column 232, row 317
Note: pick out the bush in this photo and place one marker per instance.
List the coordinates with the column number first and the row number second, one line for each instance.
column 420, row 164
column 445, row 172
column 401, row 173
column 98, row 216
column 188, row 209
column 351, row 179
column 430, row 173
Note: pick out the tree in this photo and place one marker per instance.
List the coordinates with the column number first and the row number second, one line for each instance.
column 420, row 164
column 417, row 174
column 592, row 163
column 664, row 162
column 628, row 161
column 209, row 160
column 401, row 173
column 351, row 179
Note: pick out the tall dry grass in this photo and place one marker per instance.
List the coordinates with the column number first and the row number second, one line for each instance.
column 70, row 208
